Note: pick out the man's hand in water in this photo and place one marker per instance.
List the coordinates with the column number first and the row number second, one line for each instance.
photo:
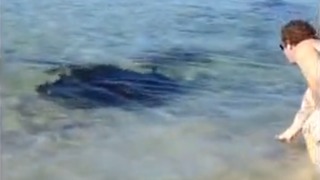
column 287, row 137
column 306, row 108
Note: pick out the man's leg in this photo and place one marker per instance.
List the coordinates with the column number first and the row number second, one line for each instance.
column 311, row 133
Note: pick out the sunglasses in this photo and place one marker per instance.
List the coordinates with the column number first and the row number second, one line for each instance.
column 281, row 47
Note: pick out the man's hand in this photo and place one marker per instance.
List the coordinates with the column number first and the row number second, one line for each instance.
column 287, row 137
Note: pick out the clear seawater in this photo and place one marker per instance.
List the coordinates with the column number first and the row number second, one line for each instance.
column 224, row 129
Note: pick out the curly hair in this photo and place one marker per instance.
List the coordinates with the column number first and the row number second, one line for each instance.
column 296, row 31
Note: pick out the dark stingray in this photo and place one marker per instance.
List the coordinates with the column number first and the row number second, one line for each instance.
column 107, row 85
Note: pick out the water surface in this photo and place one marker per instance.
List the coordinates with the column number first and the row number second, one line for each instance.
column 243, row 91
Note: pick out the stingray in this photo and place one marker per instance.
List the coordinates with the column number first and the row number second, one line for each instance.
column 93, row 86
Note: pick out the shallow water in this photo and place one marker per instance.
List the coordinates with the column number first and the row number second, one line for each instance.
column 243, row 92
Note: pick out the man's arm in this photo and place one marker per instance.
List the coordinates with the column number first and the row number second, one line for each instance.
column 306, row 108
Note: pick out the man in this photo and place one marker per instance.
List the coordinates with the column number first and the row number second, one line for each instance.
column 301, row 46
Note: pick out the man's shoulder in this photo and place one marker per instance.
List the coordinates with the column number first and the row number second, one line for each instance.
column 306, row 48
column 308, row 43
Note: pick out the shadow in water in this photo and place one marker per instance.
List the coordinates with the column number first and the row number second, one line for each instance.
column 279, row 9
column 174, row 57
